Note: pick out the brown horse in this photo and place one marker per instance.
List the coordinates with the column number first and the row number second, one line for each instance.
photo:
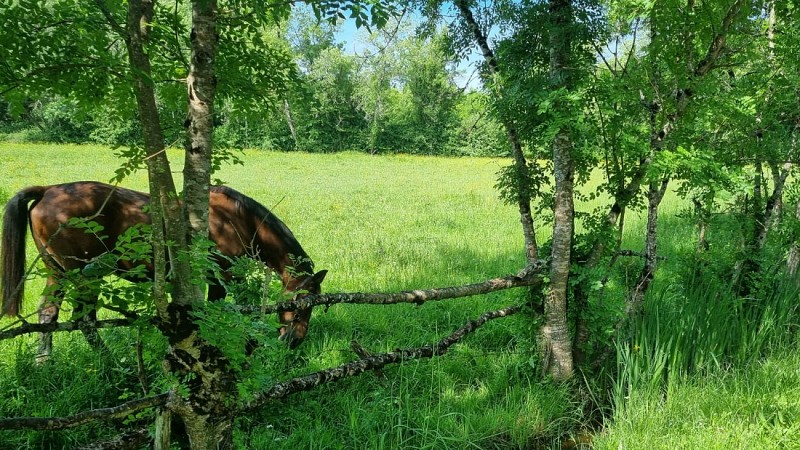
column 238, row 225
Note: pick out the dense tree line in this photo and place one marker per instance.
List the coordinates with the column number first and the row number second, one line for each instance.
column 397, row 94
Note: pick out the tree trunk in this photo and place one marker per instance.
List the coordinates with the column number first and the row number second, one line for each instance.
column 793, row 260
column 287, row 111
column 654, row 197
column 765, row 216
column 206, row 409
column 520, row 162
column 556, row 342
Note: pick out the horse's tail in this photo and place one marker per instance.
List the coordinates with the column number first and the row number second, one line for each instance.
column 12, row 258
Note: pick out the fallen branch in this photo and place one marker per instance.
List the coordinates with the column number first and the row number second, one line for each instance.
column 73, row 325
column 94, row 415
column 374, row 362
column 530, row 276
column 637, row 254
column 280, row 390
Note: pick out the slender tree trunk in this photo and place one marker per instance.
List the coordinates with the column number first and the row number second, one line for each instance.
column 654, row 197
column 774, row 205
column 520, row 162
column 765, row 217
column 793, row 260
column 163, row 203
column 556, row 342
column 207, row 409
column 287, row 111
column 202, row 88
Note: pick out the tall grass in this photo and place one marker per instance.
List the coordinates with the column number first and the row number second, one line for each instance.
column 692, row 342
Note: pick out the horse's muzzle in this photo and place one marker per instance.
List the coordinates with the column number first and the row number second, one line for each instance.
column 289, row 335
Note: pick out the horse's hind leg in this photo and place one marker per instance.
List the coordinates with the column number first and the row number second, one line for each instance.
column 49, row 307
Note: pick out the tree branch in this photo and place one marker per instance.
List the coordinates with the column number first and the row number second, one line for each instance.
column 637, row 254
column 374, row 362
column 28, row 328
column 529, row 276
column 94, row 415
column 717, row 45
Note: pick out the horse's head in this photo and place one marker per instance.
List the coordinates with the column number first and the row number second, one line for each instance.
column 295, row 323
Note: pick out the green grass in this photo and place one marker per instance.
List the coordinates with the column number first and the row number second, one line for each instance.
column 377, row 224
column 754, row 407
column 398, row 222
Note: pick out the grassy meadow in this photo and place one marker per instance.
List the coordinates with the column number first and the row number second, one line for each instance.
column 389, row 223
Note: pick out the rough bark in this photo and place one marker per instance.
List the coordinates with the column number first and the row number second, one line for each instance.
column 131, row 440
column 365, row 363
column 530, row 276
column 556, row 342
column 75, row 325
column 162, row 189
column 202, row 87
column 793, row 259
column 208, row 421
column 95, row 415
column 765, row 218
column 206, row 410
column 520, row 162
column 654, row 197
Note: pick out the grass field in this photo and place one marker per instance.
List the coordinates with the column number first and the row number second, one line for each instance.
column 388, row 223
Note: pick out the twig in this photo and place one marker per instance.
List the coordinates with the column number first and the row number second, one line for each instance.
column 365, row 354
column 637, row 254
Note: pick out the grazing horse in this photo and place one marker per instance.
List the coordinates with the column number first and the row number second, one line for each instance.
column 238, row 225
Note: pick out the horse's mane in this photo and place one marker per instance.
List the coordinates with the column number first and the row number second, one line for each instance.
column 271, row 221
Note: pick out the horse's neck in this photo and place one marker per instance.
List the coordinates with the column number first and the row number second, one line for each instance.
column 274, row 253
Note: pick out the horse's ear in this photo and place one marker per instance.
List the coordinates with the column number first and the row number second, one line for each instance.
column 319, row 276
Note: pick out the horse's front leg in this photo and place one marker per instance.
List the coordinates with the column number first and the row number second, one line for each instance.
column 49, row 307
column 86, row 314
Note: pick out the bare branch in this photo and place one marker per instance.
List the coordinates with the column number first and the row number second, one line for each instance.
column 28, row 328
column 530, row 276
column 112, row 22
column 374, row 362
column 94, row 415
column 524, row 181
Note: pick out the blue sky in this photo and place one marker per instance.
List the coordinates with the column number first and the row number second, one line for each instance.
column 348, row 35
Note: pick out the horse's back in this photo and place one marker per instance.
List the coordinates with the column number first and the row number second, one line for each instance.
column 114, row 208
